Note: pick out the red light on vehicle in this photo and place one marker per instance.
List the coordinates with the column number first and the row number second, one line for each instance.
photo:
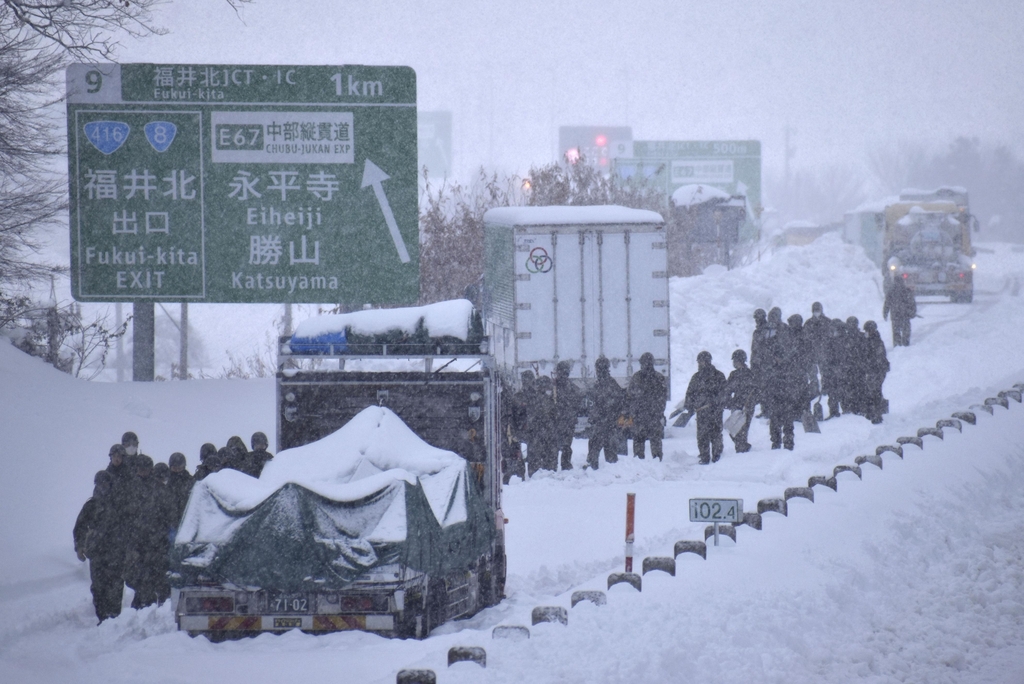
column 601, row 140
column 209, row 604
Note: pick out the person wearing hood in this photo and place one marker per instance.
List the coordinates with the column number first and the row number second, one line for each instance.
column 647, row 395
column 567, row 400
column 259, row 456
column 542, row 452
column 799, row 364
column 817, row 332
column 150, row 517
column 179, row 486
column 900, row 302
column 740, row 394
column 100, row 538
column 854, row 350
column 876, row 366
column 203, row 469
column 132, row 453
column 607, row 406
column 704, row 399
column 778, row 402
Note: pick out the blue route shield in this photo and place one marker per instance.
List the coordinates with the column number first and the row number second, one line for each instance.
column 107, row 136
column 160, row 134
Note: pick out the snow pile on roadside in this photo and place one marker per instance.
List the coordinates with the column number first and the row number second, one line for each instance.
column 715, row 311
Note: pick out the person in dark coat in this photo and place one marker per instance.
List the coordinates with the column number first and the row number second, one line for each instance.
column 647, row 395
column 876, row 365
column 853, row 367
column 237, row 455
column 99, row 536
column 150, row 518
column 568, row 400
column 757, row 342
column 833, row 382
column 179, row 486
column 740, row 394
column 799, row 366
column 256, row 459
column 161, row 473
column 704, row 399
column 203, row 469
column 817, row 331
column 542, row 449
column 132, row 454
column 517, row 433
column 607, row 406
column 778, row 403
column 122, row 478
column 900, row 303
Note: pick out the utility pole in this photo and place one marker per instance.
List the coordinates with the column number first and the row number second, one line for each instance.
column 183, row 345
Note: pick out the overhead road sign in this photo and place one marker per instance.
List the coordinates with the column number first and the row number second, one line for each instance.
column 733, row 166
column 231, row 183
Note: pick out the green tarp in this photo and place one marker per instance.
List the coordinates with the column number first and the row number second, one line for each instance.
column 321, row 516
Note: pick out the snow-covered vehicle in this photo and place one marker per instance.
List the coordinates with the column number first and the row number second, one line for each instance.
column 382, row 509
column 927, row 243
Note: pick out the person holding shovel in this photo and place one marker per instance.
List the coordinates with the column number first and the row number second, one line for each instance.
column 704, row 398
column 740, row 396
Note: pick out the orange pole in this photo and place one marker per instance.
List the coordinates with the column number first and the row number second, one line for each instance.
column 630, row 509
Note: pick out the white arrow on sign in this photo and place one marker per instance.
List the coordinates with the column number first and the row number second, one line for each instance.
column 373, row 175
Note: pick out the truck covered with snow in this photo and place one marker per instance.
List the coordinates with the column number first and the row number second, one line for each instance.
column 574, row 283
column 382, row 509
column 927, row 243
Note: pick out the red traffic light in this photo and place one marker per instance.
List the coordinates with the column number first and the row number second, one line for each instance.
column 601, row 140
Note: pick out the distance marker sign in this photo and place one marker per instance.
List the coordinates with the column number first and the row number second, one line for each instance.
column 243, row 183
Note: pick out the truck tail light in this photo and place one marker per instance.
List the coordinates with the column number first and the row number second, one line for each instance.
column 209, row 604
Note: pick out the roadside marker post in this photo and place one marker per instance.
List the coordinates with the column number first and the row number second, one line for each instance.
column 630, row 510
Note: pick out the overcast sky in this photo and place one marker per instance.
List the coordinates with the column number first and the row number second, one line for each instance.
column 844, row 76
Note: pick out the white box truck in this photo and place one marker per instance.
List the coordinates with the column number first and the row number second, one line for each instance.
column 573, row 283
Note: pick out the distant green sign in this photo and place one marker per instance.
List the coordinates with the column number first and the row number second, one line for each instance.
column 243, row 183
column 730, row 165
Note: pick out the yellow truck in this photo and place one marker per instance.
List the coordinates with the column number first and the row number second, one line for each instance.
column 927, row 242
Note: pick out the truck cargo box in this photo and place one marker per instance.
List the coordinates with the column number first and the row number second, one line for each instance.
column 573, row 283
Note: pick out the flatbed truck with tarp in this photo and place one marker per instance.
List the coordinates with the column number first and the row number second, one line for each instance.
column 437, row 551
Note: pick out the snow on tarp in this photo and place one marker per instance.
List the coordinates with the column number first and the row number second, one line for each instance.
column 560, row 215
column 443, row 319
column 320, row 515
column 692, row 195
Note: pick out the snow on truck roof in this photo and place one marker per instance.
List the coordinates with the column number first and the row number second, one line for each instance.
column 691, row 195
column 558, row 216
column 443, row 319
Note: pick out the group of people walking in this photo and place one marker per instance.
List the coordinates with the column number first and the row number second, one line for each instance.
column 543, row 416
column 792, row 363
column 126, row 528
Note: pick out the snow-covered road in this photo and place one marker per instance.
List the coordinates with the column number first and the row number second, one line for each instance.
column 915, row 574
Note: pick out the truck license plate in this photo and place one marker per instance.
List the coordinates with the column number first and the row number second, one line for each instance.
column 287, row 623
column 289, row 603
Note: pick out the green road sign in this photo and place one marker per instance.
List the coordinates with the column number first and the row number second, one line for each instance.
column 730, row 165
column 243, row 183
